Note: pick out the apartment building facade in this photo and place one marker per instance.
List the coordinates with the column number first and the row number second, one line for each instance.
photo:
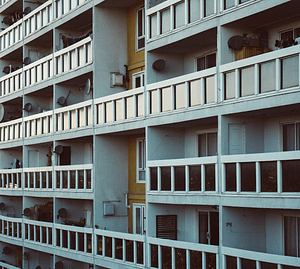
column 156, row 134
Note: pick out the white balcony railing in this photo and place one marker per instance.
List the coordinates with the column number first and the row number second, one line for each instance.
column 38, row 178
column 262, row 75
column 4, row 265
column 74, row 177
column 121, row 247
column 2, row 2
column 38, row 232
column 11, row 227
column 12, row 82
column 74, row 239
column 11, row 179
column 190, row 175
column 121, row 106
column 74, row 56
column 171, row 15
column 74, row 116
column 11, row 130
column 64, row 6
column 11, row 35
column 238, row 258
column 38, row 124
column 195, row 89
column 164, row 253
column 273, row 173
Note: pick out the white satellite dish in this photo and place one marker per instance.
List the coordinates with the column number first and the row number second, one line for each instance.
column 88, row 86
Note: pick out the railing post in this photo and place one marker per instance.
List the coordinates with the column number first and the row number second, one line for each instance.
column 172, row 178
column 173, row 258
column 202, row 87
column 279, row 177
column 124, row 250
column 203, row 259
column 278, row 74
column 173, row 98
column 238, row 177
column 158, row 23
column 158, row 178
column 187, row 178
column 237, row 83
column 159, row 257
column 258, row 177
column 202, row 178
column 256, row 79
column 216, row 178
column 172, row 17
column 186, row 12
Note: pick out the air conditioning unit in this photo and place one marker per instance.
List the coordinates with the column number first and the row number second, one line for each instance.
column 108, row 209
column 116, row 79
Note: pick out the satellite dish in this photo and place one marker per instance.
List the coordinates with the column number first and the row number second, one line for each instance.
column 6, row 250
column 27, row 60
column 59, row 265
column 88, row 87
column 58, row 149
column 159, row 65
column 1, row 112
column 27, row 10
column 2, row 206
column 6, row 69
column 62, row 212
column 235, row 42
column 63, row 100
column 27, row 107
column 27, row 212
column 38, row 267
column 39, row 109
column 7, row 21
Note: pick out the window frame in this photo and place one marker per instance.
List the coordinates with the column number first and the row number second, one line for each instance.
column 209, row 220
column 204, row 55
column 297, row 216
column 138, row 154
column 142, row 208
column 295, row 123
column 288, row 30
column 137, row 28
column 209, row 131
column 140, row 74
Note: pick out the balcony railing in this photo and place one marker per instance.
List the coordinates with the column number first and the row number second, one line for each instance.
column 265, row 173
column 38, row 178
column 195, row 89
column 191, row 175
column 269, row 73
column 2, row 2
column 4, row 265
column 74, row 177
column 12, row 82
column 237, row 258
column 74, row 239
column 38, row 232
column 11, row 130
column 38, row 124
column 173, row 14
column 11, row 35
column 74, row 116
column 11, row 227
column 11, row 179
column 173, row 254
column 121, row 106
column 121, row 247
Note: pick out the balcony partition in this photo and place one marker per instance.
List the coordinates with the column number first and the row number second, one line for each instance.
column 38, row 124
column 38, row 232
column 186, row 176
column 11, row 179
column 74, row 116
column 265, row 173
column 12, row 82
column 263, row 75
column 121, row 247
column 11, row 35
column 38, row 178
column 121, row 106
column 11, row 130
column 195, row 89
column 164, row 17
column 171, row 254
column 11, row 227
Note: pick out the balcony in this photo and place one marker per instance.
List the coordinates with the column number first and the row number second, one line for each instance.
column 35, row 21
column 11, row 227
column 11, row 179
column 197, row 89
column 192, row 176
column 265, row 174
column 38, row 232
column 120, row 107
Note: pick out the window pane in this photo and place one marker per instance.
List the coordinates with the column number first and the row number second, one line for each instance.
column 248, row 177
column 288, row 137
column 203, row 227
column 230, row 85
column 153, row 179
column 195, row 178
column 290, row 176
column 141, row 43
column 290, row 72
column 180, row 96
column 230, row 176
column 296, row 33
column 200, row 63
column 194, row 9
column 195, row 92
column 212, row 144
column 140, row 23
column 268, row 176
column 211, row 60
column 138, row 220
column 229, row 3
column 210, row 89
column 166, row 178
column 267, row 75
column 138, row 82
column 210, row 177
column 153, row 26
column 165, row 21
column 202, row 145
column 247, row 81
column 180, row 178
column 208, row 7
column 290, row 240
column 179, row 15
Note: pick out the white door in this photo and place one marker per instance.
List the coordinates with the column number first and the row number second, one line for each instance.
column 139, row 217
column 236, row 139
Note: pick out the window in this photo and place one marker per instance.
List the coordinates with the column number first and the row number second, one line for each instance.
column 209, row 227
column 291, row 135
column 207, row 144
column 292, row 236
column 138, row 79
column 141, row 160
column 290, row 34
column 139, row 217
column 206, row 61
column 140, row 29
column 166, row 226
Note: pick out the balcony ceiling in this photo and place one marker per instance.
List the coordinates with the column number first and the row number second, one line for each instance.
column 119, row 3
